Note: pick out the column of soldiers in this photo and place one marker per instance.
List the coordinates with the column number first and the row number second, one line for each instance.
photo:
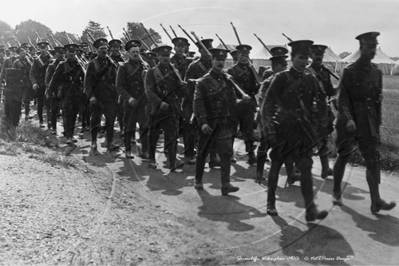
column 206, row 104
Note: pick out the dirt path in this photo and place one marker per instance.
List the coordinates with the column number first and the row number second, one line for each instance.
column 113, row 211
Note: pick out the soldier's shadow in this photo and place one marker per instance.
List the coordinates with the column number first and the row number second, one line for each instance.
column 227, row 209
column 317, row 241
column 383, row 230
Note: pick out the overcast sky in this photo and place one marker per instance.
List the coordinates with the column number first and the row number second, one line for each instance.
column 334, row 23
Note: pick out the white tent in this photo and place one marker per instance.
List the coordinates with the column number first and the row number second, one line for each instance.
column 395, row 69
column 384, row 62
column 330, row 59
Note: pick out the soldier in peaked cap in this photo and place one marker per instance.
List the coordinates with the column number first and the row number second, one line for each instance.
column 179, row 59
column 52, row 95
column 115, row 49
column 246, row 77
column 289, row 120
column 326, row 115
column 130, row 86
column 100, row 89
column 279, row 63
column 163, row 86
column 37, row 77
column 196, row 70
column 67, row 81
column 234, row 55
column 359, row 120
column 214, row 103
column 7, row 63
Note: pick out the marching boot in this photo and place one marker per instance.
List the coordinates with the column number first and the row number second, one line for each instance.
column 338, row 175
column 292, row 175
column 312, row 213
column 272, row 181
column 144, row 147
column 199, row 172
column 377, row 203
column 128, row 147
column 251, row 158
column 261, row 159
column 325, row 167
column 225, row 164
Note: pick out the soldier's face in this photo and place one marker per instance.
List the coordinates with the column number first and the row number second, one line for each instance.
column 59, row 56
column 243, row 58
column 317, row 58
column 22, row 54
column 164, row 59
column 281, row 66
column 134, row 53
column 70, row 55
column 179, row 49
column 300, row 61
column 102, row 51
column 115, row 49
column 218, row 63
column 368, row 51
column 43, row 50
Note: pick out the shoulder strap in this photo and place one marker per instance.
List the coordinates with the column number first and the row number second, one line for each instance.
column 201, row 65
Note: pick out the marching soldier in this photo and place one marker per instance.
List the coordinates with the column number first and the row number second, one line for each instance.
column 51, row 96
column 151, row 58
column 67, row 81
column 8, row 61
column 37, row 78
column 279, row 63
column 246, row 79
column 22, row 64
column 289, row 118
column 100, row 89
column 196, row 70
column 359, row 120
column 326, row 116
column 163, row 86
column 130, row 86
column 214, row 103
column 179, row 60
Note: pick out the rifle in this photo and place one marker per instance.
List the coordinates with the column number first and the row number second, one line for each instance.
column 110, row 33
column 257, row 78
column 264, row 45
column 201, row 44
column 127, row 34
column 186, row 34
column 174, row 33
column 166, row 32
column 325, row 68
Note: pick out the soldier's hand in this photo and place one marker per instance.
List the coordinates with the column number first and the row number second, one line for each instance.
column 164, row 106
column 35, row 87
column 132, row 101
column 351, row 126
column 206, row 129
column 93, row 100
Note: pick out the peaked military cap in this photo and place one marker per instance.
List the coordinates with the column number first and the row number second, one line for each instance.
column 233, row 53
column 42, row 44
column 302, row 46
column 319, row 48
column 278, row 52
column 84, row 44
column 206, row 42
column 31, row 48
column 115, row 42
column 219, row 53
column 100, row 42
column 180, row 40
column 19, row 50
column 163, row 49
column 244, row 48
column 133, row 43
column 25, row 45
column 368, row 37
column 59, row 49
column 71, row 47
column 151, row 54
column 12, row 48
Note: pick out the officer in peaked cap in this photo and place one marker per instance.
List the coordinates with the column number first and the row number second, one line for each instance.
column 326, row 115
column 359, row 120
column 115, row 46
column 214, row 99
column 132, row 43
column 290, row 121
column 247, row 79
column 163, row 86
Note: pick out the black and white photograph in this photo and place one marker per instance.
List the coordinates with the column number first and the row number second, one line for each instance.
column 201, row 132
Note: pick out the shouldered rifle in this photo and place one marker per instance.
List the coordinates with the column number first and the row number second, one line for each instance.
column 110, row 33
column 166, row 32
column 127, row 34
column 235, row 31
column 174, row 33
column 264, row 45
column 201, row 44
column 185, row 32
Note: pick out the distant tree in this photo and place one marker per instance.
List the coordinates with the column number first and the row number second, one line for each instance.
column 95, row 30
column 344, row 54
column 5, row 32
column 24, row 31
column 135, row 30
column 62, row 37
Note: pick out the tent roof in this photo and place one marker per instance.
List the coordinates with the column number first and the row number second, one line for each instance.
column 330, row 56
column 231, row 47
column 380, row 58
